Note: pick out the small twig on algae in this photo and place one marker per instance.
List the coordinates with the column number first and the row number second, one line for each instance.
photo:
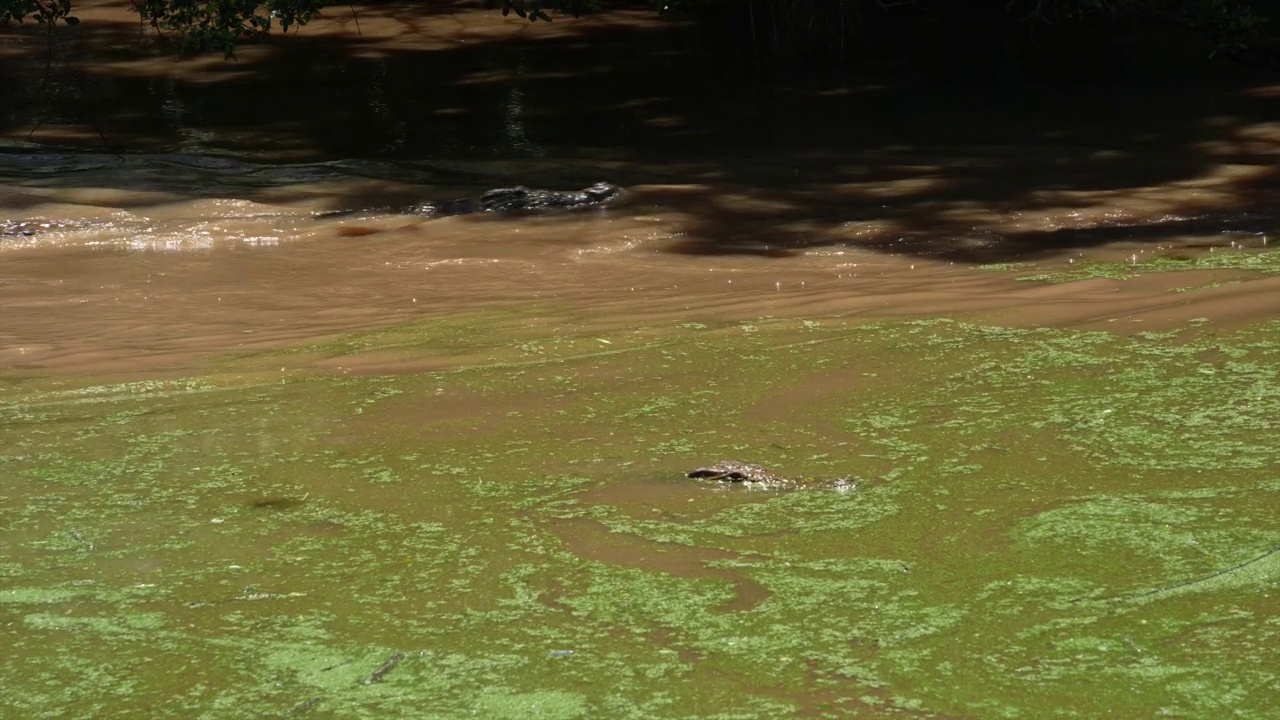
column 383, row 669
column 79, row 537
column 303, row 707
column 306, row 705
column 1189, row 583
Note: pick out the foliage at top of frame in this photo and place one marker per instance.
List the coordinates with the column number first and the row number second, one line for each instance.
column 1233, row 27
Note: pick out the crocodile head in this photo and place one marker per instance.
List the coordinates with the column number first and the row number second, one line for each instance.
column 602, row 191
column 734, row 471
column 749, row 474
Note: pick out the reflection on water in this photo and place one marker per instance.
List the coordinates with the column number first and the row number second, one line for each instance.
column 455, row 82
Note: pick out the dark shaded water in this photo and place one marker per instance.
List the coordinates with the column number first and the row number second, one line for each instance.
column 400, row 81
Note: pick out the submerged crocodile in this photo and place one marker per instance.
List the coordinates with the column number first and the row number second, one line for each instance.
column 749, row 474
column 503, row 200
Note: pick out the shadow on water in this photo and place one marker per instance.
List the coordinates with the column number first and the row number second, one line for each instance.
column 968, row 172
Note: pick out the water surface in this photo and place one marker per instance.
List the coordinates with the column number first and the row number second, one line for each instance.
column 259, row 463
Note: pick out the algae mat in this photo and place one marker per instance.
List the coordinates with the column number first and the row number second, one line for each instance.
column 1046, row 524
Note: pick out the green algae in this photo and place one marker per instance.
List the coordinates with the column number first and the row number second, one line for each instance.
column 1071, row 511
column 1261, row 261
column 1204, row 286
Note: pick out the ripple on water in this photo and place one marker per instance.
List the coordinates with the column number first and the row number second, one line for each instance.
column 613, row 246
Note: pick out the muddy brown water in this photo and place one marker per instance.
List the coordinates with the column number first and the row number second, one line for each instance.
column 118, row 281
column 162, row 213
